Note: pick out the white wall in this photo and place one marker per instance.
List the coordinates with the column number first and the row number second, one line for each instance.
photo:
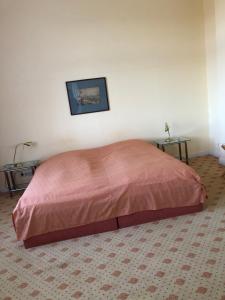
column 215, row 47
column 152, row 53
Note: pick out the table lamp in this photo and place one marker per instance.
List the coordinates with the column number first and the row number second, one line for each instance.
column 28, row 144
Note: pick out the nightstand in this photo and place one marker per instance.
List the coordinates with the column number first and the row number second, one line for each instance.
column 10, row 169
column 162, row 143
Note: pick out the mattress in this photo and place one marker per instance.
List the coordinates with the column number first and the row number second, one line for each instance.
column 81, row 187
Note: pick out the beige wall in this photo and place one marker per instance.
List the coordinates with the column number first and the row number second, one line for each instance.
column 215, row 49
column 151, row 51
column 211, row 64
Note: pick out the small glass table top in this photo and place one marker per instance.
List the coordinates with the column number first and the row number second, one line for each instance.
column 10, row 171
column 173, row 140
column 17, row 167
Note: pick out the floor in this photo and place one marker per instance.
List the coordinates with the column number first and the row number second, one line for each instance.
column 180, row 258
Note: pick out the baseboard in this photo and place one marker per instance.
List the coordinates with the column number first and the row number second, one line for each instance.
column 214, row 153
column 197, row 154
column 3, row 194
column 3, row 190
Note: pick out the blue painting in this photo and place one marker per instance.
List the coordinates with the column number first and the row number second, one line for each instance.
column 87, row 96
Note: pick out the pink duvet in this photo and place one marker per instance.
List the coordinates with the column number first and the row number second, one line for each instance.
column 81, row 187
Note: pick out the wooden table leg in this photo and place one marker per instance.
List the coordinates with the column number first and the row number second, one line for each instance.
column 180, row 153
column 158, row 146
column 186, row 153
column 163, row 148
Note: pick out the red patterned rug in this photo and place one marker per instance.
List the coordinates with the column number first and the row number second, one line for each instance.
column 180, row 258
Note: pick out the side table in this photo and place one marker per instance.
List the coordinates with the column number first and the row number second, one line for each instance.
column 10, row 169
column 162, row 143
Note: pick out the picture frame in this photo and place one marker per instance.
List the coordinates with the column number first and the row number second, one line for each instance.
column 87, row 95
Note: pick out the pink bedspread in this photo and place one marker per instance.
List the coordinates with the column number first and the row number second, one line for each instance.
column 81, row 187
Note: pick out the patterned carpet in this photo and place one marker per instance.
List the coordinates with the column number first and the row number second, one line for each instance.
column 180, row 258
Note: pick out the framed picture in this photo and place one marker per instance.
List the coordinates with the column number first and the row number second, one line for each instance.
column 87, row 96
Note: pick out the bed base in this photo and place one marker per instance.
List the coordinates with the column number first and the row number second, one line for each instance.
column 110, row 225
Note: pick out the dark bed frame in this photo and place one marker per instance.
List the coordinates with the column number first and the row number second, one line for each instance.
column 109, row 225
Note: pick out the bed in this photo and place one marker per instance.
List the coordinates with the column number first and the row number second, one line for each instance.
column 90, row 191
